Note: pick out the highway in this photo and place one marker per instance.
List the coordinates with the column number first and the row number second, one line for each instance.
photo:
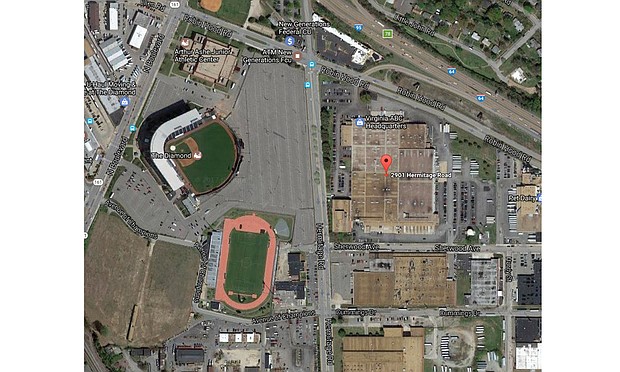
column 95, row 197
column 425, row 60
column 385, row 88
column 494, row 64
column 467, row 86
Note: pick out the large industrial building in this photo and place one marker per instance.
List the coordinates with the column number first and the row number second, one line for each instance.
column 385, row 204
column 398, row 349
column 114, row 53
column 404, row 279
column 221, row 59
column 93, row 72
column 171, row 129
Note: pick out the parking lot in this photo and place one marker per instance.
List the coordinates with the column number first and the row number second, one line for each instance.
column 143, row 199
column 168, row 90
column 274, row 175
column 343, row 263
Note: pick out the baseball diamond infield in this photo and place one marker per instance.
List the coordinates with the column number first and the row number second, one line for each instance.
column 211, row 5
column 217, row 146
column 247, row 262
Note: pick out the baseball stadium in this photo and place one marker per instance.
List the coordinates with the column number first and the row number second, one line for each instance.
column 196, row 152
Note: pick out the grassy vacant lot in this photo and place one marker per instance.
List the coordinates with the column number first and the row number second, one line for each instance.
column 114, row 268
column 235, row 11
column 167, row 298
column 463, row 285
column 246, row 262
column 218, row 158
column 471, row 147
column 492, row 334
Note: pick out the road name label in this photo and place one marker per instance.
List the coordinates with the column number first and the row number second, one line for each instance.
column 413, row 24
column 507, row 149
column 207, row 26
column 148, row 64
column 356, row 312
column 421, row 98
column 355, row 81
column 356, row 246
column 329, row 347
column 459, row 313
column 457, row 248
column 153, row 5
column 130, row 221
column 320, row 247
column 284, row 316
column 117, row 156
column 508, row 269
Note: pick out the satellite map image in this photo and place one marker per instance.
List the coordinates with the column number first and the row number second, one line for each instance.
column 312, row 185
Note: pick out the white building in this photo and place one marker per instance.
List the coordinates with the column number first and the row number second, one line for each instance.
column 518, row 75
column 361, row 54
column 137, row 36
column 170, row 129
column 528, row 356
column 252, row 337
column 113, row 16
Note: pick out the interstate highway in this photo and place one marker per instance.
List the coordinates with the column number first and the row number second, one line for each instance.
column 261, row 42
column 420, row 57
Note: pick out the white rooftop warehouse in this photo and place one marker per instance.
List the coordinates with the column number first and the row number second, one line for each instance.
column 113, row 16
column 178, row 125
column 137, row 36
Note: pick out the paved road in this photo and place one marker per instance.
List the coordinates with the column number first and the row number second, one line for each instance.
column 496, row 105
column 419, row 56
column 388, row 89
column 460, row 120
column 493, row 64
column 95, row 197
column 215, row 315
column 425, row 247
column 313, row 100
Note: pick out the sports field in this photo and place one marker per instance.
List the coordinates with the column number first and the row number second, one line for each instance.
column 235, row 11
column 218, row 157
column 246, row 262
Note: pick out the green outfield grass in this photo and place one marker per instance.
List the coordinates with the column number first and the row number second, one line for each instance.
column 235, row 11
column 218, row 158
column 246, row 263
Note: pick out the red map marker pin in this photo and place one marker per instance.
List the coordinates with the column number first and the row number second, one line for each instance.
column 386, row 160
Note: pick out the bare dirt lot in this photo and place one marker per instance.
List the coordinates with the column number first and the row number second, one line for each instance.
column 167, row 298
column 114, row 267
